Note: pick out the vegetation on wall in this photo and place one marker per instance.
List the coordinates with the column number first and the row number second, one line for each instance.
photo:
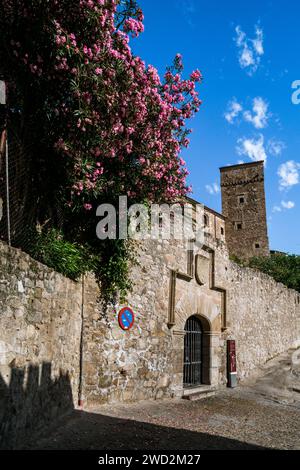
column 70, row 259
column 105, row 124
column 283, row 268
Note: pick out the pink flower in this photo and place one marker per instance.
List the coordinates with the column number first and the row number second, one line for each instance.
column 196, row 76
column 133, row 26
column 126, row 134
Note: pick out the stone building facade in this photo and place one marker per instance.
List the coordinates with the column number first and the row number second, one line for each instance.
column 229, row 302
column 58, row 347
column 40, row 338
column 244, row 207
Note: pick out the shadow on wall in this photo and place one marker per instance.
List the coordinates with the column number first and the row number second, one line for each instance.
column 31, row 401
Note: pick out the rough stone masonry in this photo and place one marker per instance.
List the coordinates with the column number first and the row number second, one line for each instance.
column 57, row 346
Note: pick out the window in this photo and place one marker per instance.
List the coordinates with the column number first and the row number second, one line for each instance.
column 222, row 231
column 241, row 199
column 257, row 245
column 190, row 260
column 206, row 220
column 160, row 220
column 239, row 226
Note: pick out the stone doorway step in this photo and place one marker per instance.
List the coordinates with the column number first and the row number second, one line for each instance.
column 198, row 393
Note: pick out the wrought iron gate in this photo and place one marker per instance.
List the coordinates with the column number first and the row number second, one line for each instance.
column 192, row 371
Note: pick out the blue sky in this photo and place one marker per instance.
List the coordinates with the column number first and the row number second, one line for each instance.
column 249, row 54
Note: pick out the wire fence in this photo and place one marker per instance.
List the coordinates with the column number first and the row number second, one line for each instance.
column 29, row 189
column 16, row 215
column 17, row 205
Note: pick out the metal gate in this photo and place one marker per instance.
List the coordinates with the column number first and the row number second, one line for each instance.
column 192, row 371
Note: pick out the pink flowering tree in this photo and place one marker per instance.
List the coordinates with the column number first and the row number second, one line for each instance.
column 108, row 122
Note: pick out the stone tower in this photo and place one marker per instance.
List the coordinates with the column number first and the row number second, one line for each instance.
column 244, row 208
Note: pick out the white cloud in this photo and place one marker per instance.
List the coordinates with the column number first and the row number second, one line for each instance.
column 252, row 148
column 258, row 41
column 250, row 50
column 260, row 115
column 187, row 10
column 275, row 147
column 289, row 174
column 288, row 204
column 212, row 188
column 234, row 109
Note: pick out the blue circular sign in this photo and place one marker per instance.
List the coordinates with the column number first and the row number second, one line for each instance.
column 126, row 318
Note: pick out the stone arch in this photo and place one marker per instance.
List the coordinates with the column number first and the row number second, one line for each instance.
column 205, row 321
column 206, row 348
column 205, row 306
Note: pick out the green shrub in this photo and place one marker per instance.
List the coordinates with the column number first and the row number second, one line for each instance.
column 70, row 259
column 109, row 261
column 112, row 268
column 283, row 268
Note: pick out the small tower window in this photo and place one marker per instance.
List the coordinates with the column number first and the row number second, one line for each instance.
column 190, row 259
column 241, row 199
column 239, row 226
column 222, row 231
column 257, row 245
column 206, row 220
column 160, row 220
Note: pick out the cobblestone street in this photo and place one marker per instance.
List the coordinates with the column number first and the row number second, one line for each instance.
column 234, row 419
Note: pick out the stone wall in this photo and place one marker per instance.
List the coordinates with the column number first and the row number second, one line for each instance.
column 40, row 330
column 137, row 364
column 263, row 317
column 40, row 325
column 147, row 361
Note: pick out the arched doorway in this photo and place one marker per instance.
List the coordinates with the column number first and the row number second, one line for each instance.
column 193, row 353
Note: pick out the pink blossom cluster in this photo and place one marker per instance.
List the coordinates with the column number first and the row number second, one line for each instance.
column 117, row 124
column 133, row 26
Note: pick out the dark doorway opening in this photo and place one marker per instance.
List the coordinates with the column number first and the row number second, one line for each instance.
column 193, row 353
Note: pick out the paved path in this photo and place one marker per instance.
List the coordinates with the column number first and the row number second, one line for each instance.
column 265, row 413
column 234, row 419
